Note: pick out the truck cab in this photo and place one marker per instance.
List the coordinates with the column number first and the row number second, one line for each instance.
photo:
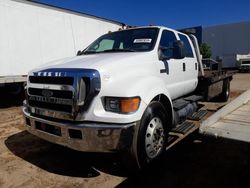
column 116, row 95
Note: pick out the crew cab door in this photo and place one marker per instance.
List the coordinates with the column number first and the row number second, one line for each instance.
column 171, row 70
column 189, row 64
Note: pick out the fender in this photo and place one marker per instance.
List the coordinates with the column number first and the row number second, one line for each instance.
column 148, row 88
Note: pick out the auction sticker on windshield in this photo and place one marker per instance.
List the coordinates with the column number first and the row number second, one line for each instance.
column 142, row 40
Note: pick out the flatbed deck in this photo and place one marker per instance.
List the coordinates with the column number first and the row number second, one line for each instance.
column 213, row 82
column 216, row 75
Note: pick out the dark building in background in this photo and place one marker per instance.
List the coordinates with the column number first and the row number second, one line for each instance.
column 226, row 41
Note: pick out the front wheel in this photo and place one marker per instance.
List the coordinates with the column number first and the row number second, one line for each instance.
column 151, row 136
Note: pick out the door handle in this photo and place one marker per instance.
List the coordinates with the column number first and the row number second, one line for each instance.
column 184, row 67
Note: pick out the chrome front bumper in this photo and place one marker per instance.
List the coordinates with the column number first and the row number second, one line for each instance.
column 82, row 136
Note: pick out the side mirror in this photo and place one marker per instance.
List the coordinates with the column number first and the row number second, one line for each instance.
column 178, row 50
column 175, row 52
column 79, row 52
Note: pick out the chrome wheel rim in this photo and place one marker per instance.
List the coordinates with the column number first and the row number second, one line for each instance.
column 154, row 137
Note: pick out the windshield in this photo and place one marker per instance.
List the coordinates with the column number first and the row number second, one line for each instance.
column 132, row 40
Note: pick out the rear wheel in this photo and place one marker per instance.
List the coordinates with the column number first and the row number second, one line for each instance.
column 151, row 136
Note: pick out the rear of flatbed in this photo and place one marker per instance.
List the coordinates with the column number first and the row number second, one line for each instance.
column 213, row 83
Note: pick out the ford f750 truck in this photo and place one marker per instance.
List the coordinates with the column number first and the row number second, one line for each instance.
column 126, row 92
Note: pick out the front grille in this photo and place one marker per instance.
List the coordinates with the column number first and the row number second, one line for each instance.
column 51, row 99
column 51, row 106
column 61, row 93
column 57, row 94
column 51, row 80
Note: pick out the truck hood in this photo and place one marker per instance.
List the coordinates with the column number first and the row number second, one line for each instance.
column 99, row 62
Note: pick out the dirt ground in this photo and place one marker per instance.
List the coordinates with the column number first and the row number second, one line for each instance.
column 27, row 161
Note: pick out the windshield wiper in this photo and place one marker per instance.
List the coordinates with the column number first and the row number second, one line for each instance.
column 119, row 50
column 110, row 50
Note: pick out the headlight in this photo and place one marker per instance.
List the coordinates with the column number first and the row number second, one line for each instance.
column 122, row 105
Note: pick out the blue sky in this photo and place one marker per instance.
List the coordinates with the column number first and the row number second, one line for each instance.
column 174, row 13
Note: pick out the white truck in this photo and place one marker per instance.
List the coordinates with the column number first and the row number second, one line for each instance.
column 243, row 62
column 130, row 91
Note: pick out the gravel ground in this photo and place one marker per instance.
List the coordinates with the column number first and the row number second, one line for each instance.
column 241, row 81
column 27, row 161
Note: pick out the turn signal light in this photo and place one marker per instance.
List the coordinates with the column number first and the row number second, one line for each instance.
column 130, row 105
column 122, row 105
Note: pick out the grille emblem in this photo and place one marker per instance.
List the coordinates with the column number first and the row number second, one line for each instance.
column 47, row 93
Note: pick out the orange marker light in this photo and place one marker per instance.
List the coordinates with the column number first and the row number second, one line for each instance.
column 129, row 105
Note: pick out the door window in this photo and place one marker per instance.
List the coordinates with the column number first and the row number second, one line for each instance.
column 167, row 40
column 187, row 46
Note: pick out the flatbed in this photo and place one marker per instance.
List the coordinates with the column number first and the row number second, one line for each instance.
column 216, row 75
column 214, row 83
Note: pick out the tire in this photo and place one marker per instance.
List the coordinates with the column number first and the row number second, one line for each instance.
column 225, row 91
column 153, row 127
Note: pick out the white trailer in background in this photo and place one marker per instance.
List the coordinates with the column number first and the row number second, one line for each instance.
column 243, row 61
column 236, row 61
column 32, row 34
